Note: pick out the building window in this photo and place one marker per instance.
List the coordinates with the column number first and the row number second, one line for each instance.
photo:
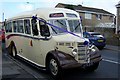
column 111, row 18
column 88, row 16
column 99, row 16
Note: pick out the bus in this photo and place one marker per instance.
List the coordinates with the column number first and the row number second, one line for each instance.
column 51, row 38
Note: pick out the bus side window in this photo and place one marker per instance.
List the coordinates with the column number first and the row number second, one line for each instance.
column 34, row 27
column 27, row 26
column 15, row 26
column 20, row 26
column 9, row 27
column 44, row 30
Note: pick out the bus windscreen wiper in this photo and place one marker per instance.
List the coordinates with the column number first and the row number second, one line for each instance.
column 60, row 23
column 76, row 27
column 54, row 30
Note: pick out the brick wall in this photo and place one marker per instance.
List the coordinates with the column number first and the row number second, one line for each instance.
column 107, row 32
column 94, row 21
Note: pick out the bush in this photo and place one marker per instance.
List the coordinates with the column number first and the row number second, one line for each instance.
column 113, row 40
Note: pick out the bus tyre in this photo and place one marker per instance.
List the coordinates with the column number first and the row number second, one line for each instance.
column 13, row 51
column 54, row 68
column 92, row 67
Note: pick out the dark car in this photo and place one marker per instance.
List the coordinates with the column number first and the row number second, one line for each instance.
column 95, row 38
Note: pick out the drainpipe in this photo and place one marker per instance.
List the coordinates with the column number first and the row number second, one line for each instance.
column 118, row 17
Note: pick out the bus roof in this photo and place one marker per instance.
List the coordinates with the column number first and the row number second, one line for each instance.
column 43, row 13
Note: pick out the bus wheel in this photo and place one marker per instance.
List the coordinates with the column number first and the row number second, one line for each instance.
column 54, row 67
column 13, row 51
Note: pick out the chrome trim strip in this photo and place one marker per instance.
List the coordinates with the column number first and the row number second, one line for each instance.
column 30, row 61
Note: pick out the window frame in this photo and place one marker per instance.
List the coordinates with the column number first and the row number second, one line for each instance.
column 99, row 16
column 88, row 15
column 43, row 25
column 19, row 26
column 14, row 27
column 29, row 26
column 8, row 27
column 37, row 29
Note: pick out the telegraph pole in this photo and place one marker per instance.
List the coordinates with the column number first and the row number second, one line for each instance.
column 3, row 17
column 118, row 18
column 2, row 20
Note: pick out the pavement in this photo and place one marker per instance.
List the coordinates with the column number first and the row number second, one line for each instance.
column 11, row 70
column 115, row 48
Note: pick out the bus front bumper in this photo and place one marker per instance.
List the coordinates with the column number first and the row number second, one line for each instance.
column 67, row 64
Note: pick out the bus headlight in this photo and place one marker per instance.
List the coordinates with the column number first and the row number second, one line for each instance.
column 93, row 49
column 74, row 52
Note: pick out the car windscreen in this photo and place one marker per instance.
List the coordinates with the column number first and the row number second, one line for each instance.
column 96, row 35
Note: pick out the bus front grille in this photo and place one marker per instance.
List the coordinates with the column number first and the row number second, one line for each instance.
column 83, row 56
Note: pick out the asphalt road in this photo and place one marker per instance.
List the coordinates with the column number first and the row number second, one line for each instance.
column 109, row 69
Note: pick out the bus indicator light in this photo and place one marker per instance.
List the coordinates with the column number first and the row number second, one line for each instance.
column 31, row 44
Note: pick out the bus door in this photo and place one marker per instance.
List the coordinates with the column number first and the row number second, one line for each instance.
column 34, row 49
column 40, row 32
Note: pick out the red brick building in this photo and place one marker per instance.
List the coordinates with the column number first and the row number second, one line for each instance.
column 92, row 17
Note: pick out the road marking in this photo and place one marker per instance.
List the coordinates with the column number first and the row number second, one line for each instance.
column 111, row 61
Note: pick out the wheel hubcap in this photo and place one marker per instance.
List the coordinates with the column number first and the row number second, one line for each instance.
column 53, row 67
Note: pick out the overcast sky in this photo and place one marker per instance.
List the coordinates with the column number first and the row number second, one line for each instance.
column 13, row 7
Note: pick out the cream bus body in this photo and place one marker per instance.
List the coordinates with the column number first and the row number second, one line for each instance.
column 67, row 50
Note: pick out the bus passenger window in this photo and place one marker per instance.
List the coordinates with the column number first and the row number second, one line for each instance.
column 20, row 26
column 15, row 26
column 44, row 30
column 34, row 27
column 27, row 26
column 8, row 27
